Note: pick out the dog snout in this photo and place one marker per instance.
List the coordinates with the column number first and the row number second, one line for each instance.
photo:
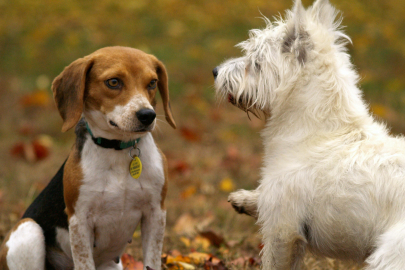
column 146, row 116
column 215, row 72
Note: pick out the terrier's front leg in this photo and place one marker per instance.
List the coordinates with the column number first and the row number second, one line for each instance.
column 81, row 242
column 285, row 226
column 245, row 201
column 153, row 228
column 284, row 249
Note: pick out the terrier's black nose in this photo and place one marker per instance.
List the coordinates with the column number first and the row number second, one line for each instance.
column 146, row 116
column 215, row 72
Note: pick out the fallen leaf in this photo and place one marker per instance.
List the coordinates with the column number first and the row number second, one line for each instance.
column 35, row 150
column 211, row 265
column 254, row 261
column 181, row 167
column 185, row 225
column 175, row 252
column 189, row 134
column 178, row 262
column 38, row 98
column 188, row 192
column 246, row 261
column 41, row 151
column 129, row 263
column 136, row 234
column 215, row 239
column 187, row 266
column 189, row 226
column 227, row 185
column 23, row 150
column 201, row 243
column 199, row 257
column 189, row 261
column 241, row 261
column 185, row 241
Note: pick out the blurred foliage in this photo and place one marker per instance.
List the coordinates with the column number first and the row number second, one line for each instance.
column 191, row 37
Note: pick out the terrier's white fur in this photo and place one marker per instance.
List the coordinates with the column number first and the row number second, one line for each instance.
column 333, row 179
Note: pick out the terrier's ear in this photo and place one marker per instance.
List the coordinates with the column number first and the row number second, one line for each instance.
column 296, row 39
column 68, row 91
column 324, row 12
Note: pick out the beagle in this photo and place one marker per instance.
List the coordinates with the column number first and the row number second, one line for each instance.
column 115, row 176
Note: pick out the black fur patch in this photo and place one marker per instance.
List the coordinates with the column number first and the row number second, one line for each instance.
column 81, row 132
column 288, row 42
column 302, row 47
column 48, row 210
column 307, row 231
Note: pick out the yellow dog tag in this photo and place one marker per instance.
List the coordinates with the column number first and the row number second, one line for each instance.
column 135, row 167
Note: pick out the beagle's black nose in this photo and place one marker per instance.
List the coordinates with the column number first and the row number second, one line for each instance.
column 146, row 116
column 215, row 72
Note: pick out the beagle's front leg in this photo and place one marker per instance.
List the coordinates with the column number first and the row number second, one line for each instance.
column 81, row 236
column 153, row 228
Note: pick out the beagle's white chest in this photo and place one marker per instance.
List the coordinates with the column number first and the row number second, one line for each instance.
column 111, row 200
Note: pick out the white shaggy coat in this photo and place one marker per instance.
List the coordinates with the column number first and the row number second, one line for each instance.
column 333, row 179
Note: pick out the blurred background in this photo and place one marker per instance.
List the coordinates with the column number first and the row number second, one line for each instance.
column 216, row 148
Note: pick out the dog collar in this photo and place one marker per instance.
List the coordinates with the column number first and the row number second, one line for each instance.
column 112, row 144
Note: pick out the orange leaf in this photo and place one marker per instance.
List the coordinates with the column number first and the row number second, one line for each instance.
column 200, row 242
column 190, row 135
column 199, row 257
column 215, row 239
column 41, row 151
column 188, row 192
column 39, row 98
column 129, row 263
column 181, row 167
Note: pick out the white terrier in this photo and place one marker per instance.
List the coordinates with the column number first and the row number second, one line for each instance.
column 333, row 180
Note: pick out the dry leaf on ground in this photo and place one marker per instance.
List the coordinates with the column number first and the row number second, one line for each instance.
column 129, row 263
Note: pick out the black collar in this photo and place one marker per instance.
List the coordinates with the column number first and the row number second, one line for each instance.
column 112, row 144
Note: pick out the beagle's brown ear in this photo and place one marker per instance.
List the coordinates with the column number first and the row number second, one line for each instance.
column 68, row 91
column 163, row 85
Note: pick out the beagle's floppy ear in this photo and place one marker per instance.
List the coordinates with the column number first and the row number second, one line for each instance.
column 163, row 86
column 68, row 91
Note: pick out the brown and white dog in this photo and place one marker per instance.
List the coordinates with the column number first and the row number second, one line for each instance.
column 89, row 211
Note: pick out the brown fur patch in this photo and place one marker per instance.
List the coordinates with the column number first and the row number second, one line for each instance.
column 165, row 170
column 68, row 91
column 134, row 68
column 163, row 85
column 4, row 248
column 72, row 179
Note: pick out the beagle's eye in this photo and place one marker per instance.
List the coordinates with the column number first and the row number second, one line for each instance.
column 152, row 84
column 113, row 83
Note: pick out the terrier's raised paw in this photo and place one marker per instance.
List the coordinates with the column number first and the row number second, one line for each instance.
column 244, row 202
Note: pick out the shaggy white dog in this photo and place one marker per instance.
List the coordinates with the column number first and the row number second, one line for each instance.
column 333, row 180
